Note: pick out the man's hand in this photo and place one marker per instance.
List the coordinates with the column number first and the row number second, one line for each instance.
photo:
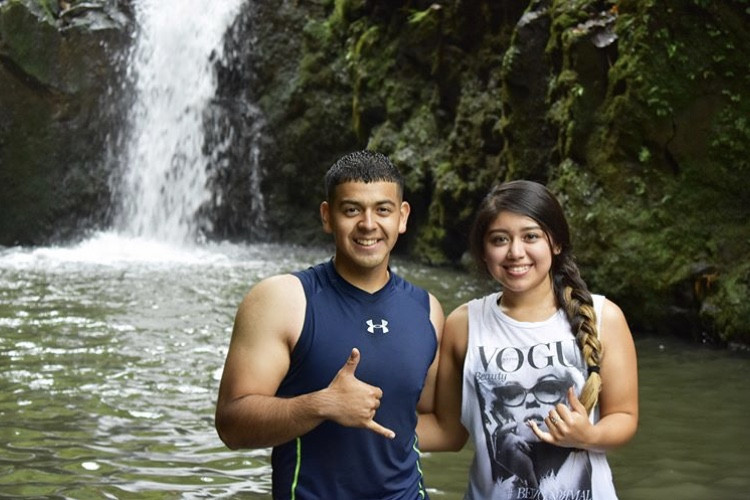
column 354, row 402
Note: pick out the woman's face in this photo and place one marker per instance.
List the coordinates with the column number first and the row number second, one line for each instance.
column 518, row 253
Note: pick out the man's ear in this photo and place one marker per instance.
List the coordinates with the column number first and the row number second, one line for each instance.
column 405, row 211
column 325, row 215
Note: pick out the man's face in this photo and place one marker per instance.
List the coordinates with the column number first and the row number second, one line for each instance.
column 365, row 220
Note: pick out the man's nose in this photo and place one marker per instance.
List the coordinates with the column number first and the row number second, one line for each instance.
column 367, row 221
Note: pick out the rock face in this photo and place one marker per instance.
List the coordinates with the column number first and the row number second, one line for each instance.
column 285, row 87
column 634, row 112
column 58, row 116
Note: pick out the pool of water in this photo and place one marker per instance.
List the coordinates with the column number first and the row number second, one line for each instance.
column 111, row 354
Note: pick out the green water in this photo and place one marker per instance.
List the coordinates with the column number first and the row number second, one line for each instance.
column 111, row 353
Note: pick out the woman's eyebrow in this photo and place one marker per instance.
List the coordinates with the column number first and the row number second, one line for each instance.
column 523, row 229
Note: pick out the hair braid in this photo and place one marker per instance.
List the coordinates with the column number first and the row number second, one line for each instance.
column 534, row 200
column 574, row 297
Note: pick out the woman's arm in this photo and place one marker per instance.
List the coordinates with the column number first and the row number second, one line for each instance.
column 618, row 399
column 426, row 403
column 442, row 430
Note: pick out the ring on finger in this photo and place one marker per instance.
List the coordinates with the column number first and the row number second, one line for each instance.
column 554, row 420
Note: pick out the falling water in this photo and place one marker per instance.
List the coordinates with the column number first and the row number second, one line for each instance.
column 171, row 66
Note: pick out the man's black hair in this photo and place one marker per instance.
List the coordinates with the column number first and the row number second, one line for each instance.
column 362, row 166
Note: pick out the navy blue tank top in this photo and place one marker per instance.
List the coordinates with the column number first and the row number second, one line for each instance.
column 392, row 330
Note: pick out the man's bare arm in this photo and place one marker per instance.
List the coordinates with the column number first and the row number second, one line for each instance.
column 266, row 328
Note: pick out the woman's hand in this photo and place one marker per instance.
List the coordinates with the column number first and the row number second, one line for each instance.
column 568, row 427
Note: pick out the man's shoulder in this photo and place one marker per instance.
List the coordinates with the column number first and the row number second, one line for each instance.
column 415, row 292
column 279, row 281
column 276, row 288
column 274, row 305
column 315, row 278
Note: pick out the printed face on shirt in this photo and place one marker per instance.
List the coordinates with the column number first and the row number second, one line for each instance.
column 532, row 400
column 517, row 383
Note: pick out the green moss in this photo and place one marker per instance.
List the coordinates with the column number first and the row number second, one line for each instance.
column 426, row 249
column 317, row 35
column 30, row 39
column 645, row 139
column 344, row 11
column 727, row 310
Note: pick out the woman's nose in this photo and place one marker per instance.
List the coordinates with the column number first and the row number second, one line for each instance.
column 515, row 251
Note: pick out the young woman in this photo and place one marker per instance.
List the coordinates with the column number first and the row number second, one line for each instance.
column 542, row 374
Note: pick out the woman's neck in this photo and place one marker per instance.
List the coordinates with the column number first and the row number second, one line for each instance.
column 529, row 306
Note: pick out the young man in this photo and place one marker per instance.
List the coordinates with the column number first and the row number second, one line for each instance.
column 330, row 365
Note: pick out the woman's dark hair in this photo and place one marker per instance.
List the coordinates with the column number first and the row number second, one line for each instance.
column 534, row 200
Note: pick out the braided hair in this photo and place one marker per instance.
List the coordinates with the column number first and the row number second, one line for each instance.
column 534, row 200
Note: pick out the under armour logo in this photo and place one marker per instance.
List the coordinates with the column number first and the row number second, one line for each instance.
column 371, row 326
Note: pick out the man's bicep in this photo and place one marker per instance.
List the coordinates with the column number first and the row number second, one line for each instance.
column 265, row 328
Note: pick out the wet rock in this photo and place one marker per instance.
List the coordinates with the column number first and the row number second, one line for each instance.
column 59, row 104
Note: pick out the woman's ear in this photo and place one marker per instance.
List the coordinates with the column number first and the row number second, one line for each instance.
column 554, row 247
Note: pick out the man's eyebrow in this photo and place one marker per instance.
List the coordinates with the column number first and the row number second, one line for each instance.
column 347, row 201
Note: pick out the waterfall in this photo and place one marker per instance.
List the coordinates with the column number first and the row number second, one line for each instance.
column 171, row 67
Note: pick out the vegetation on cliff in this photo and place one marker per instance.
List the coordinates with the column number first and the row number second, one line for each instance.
column 634, row 112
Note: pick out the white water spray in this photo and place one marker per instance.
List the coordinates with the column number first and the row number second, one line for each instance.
column 171, row 65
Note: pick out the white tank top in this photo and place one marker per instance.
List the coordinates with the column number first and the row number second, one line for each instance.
column 515, row 371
